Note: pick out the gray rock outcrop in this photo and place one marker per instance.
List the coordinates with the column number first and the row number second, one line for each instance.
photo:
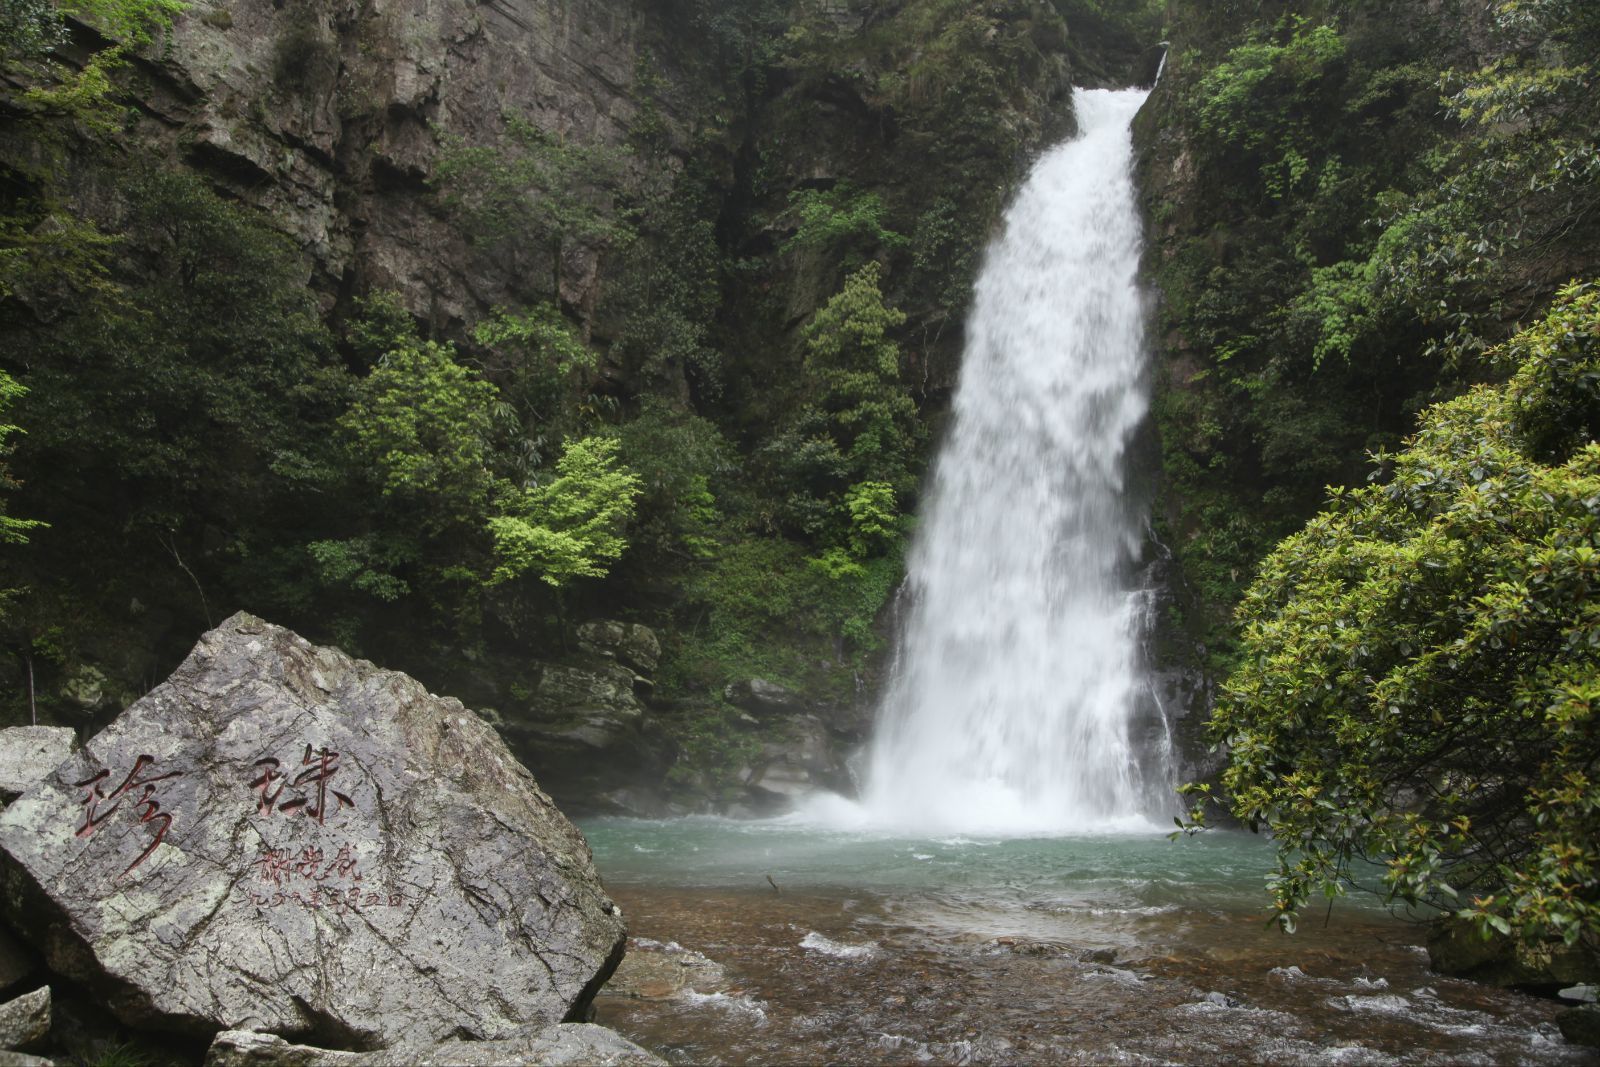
column 556, row 1046
column 630, row 644
column 329, row 115
column 1581, row 1026
column 280, row 838
column 1455, row 948
column 798, row 758
column 28, row 753
column 584, row 730
column 761, row 697
column 26, row 1020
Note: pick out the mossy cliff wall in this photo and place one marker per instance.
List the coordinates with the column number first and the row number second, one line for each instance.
column 263, row 169
column 1337, row 231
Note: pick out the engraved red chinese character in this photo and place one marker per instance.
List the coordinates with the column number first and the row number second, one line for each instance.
column 269, row 782
column 98, row 805
column 275, row 864
column 342, row 866
column 321, row 765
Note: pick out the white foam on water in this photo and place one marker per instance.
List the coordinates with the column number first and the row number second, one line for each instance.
column 737, row 1003
column 816, row 942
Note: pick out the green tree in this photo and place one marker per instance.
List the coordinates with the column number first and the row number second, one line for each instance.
column 12, row 529
column 852, row 370
column 546, row 372
column 415, row 477
column 29, row 27
column 1420, row 676
column 572, row 526
column 840, row 219
column 420, row 424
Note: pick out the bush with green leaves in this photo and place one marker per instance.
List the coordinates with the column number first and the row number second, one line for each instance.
column 12, row 529
column 1419, row 683
column 852, row 371
column 571, row 526
column 842, row 219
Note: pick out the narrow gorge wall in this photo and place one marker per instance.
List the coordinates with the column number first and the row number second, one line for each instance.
column 1335, row 238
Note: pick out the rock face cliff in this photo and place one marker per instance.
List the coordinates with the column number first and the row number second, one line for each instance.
column 329, row 116
column 1334, row 242
column 763, row 153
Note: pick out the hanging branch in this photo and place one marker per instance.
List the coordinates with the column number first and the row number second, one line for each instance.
column 171, row 545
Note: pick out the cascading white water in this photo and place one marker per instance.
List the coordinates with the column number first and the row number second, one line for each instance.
column 1017, row 681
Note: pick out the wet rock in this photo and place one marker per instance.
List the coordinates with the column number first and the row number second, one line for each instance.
column 1581, row 1026
column 246, row 1048
column 655, row 971
column 1099, row 955
column 85, row 687
column 585, row 734
column 22, row 1059
column 761, row 697
column 28, row 753
column 1455, row 948
column 628, row 643
column 26, row 1020
column 1221, row 1000
column 284, row 839
column 564, row 1044
column 1023, row 946
column 797, row 758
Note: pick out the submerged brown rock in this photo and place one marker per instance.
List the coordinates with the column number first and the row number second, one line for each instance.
column 281, row 838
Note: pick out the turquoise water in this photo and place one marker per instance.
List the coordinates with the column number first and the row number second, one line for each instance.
column 842, row 945
column 1215, row 870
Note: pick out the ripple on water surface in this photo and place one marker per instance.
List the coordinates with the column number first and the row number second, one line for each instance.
column 1093, row 949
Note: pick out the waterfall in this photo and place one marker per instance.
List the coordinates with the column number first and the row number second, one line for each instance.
column 1017, row 694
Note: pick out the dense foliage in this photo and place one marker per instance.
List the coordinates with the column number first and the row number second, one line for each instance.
column 1420, row 668
column 1356, row 203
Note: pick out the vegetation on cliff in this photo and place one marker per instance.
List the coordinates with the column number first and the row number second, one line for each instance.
column 1357, row 215
column 700, row 398
column 1349, row 205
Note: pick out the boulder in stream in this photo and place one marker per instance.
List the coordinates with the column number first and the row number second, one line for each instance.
column 284, row 839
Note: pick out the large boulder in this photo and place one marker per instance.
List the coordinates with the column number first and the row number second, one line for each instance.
column 1456, row 948
column 629, row 643
column 28, row 753
column 798, row 757
column 280, row 838
column 653, row 970
column 25, row 1021
column 761, row 697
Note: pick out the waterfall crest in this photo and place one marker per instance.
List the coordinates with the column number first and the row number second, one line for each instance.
column 1017, row 682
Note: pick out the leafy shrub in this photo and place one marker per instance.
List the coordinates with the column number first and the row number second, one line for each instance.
column 1420, row 672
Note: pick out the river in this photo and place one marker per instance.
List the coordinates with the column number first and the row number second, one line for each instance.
column 1109, row 948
